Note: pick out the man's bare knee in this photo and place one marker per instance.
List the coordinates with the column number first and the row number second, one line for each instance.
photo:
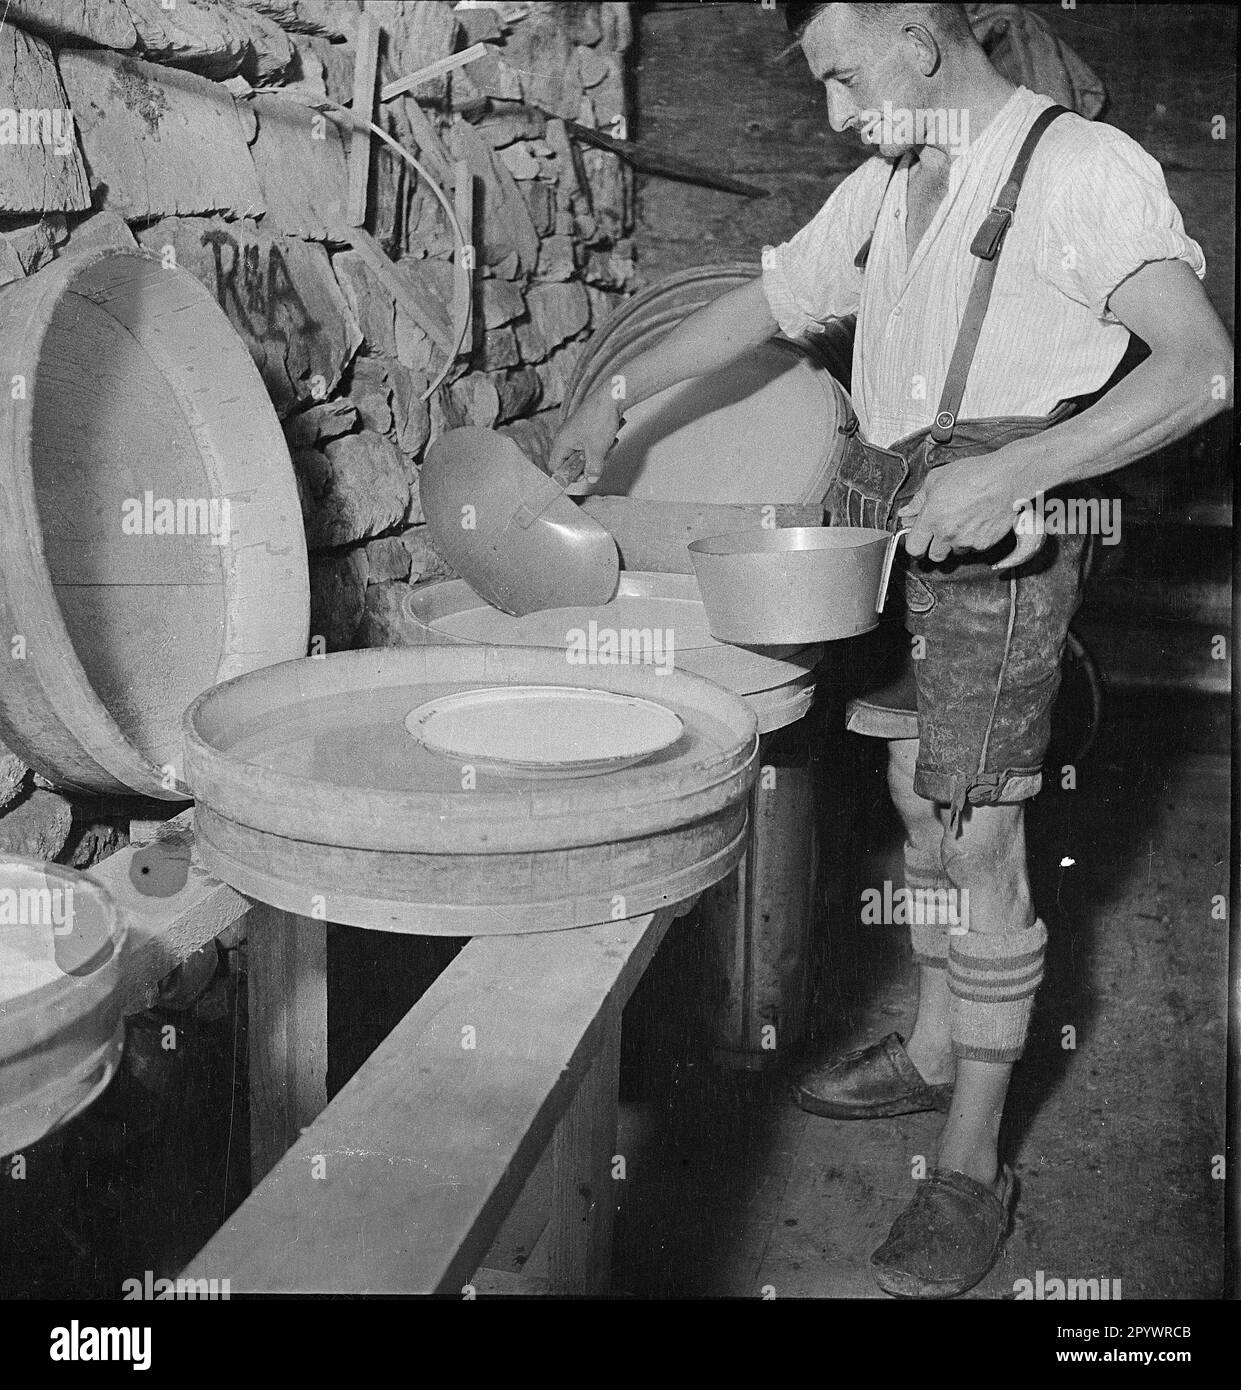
column 921, row 818
column 990, row 851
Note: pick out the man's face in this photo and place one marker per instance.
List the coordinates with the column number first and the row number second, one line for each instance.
column 862, row 66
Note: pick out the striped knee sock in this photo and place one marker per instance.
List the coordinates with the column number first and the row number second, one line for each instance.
column 931, row 914
column 993, row 977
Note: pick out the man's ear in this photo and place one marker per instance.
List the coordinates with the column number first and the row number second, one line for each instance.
column 927, row 52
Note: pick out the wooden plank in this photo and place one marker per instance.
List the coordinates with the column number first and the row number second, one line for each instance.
column 463, row 260
column 432, row 70
column 287, row 983
column 173, row 910
column 584, row 1193
column 506, row 1283
column 400, row 289
column 524, row 1227
column 365, row 66
column 403, row 1183
column 655, row 535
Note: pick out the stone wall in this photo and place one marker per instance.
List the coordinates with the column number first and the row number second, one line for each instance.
column 200, row 132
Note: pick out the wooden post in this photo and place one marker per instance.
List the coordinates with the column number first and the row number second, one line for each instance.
column 365, row 67
column 287, row 968
column 463, row 261
column 583, row 1189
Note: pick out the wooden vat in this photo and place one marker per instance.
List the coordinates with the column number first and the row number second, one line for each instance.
column 153, row 536
column 61, row 1026
column 314, row 797
column 764, row 429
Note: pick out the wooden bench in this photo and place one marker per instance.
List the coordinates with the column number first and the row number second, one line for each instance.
column 501, row 1080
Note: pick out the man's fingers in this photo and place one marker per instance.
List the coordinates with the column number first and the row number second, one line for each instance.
column 920, row 536
column 939, row 551
column 914, row 505
column 1027, row 543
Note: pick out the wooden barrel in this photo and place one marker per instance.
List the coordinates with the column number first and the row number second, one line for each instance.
column 61, row 1027
column 313, row 795
column 764, row 429
column 153, row 536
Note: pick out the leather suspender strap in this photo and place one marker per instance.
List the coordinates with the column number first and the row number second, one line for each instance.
column 987, row 244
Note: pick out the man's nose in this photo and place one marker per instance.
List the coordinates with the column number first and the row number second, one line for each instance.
column 840, row 110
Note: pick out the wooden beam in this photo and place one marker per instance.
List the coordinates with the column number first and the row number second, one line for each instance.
column 584, row 1191
column 403, row 1183
column 365, row 66
column 399, row 287
column 174, row 908
column 430, row 145
column 463, row 261
column 401, row 85
column 286, row 962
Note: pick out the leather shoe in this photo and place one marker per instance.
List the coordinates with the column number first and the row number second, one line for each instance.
column 871, row 1084
column 947, row 1239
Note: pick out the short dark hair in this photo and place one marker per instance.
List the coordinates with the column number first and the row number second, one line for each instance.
column 950, row 20
column 799, row 13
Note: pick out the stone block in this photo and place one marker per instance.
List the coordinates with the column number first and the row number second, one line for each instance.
column 158, row 144
column 501, row 301
column 556, row 260
column 76, row 23
column 299, row 157
column 366, row 493
column 557, row 311
column 518, row 392
column 37, row 827
column 499, row 349
column 279, row 293
column 386, row 559
column 41, row 166
column 216, row 40
column 337, row 598
column 370, row 301
column 425, row 561
column 327, row 420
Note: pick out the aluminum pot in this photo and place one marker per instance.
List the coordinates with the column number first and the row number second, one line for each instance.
column 794, row 584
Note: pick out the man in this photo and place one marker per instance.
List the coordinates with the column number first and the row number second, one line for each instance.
column 1011, row 317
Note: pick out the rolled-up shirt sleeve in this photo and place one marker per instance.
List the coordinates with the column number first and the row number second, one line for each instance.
column 812, row 277
column 1110, row 215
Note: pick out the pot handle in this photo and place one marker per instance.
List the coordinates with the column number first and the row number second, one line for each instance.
column 887, row 566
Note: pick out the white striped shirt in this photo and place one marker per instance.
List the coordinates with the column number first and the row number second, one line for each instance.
column 1093, row 209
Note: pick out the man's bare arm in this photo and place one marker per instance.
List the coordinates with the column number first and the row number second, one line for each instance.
column 1184, row 382
column 709, row 339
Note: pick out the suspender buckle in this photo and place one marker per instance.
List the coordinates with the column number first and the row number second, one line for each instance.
column 990, row 236
column 945, row 423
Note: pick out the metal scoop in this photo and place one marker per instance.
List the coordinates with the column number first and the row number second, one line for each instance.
column 509, row 530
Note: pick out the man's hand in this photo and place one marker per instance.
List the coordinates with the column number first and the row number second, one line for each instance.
column 582, row 442
column 969, row 504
